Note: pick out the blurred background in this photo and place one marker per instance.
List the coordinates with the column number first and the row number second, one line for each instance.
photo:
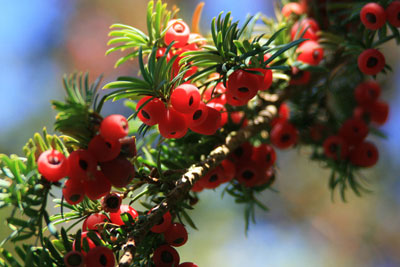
column 42, row 40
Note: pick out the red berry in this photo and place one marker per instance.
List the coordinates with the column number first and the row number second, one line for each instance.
column 237, row 117
column 119, row 171
column 371, row 61
column 243, row 152
column 310, row 52
column 243, row 85
column 197, row 187
column 312, row 28
column 373, row 16
column 228, row 169
column 53, row 165
column 267, row 177
column 335, row 147
column 235, row 101
column 215, row 93
column 153, row 112
column 365, row 155
column 178, row 31
column 176, row 235
column 166, row 256
column 174, row 124
column 163, row 225
column 210, row 125
column 249, row 173
column 74, row 259
column 114, row 127
column 115, row 217
column 290, row 8
column 393, row 13
column 93, row 220
column 353, row 131
column 367, row 92
column 284, row 111
column 81, row 165
column 221, row 108
column 301, row 77
column 265, row 80
column 97, row 186
column 176, row 67
column 284, row 135
column 185, row 98
column 104, row 150
column 379, row 112
column 188, row 264
column 99, row 257
column 198, row 116
column 91, row 244
column 111, row 202
column 212, row 179
column 161, row 52
column 73, row 191
column 264, row 155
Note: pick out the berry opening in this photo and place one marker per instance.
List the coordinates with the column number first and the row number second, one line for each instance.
column 248, row 175
column 285, row 138
column 243, row 89
column 315, row 54
column 103, row 260
column 83, row 164
column 197, row 114
column 75, row 197
column 113, row 202
column 371, row 17
column 372, row 62
column 53, row 160
column 213, row 178
column 179, row 240
column 145, row 114
column 333, row 148
column 191, row 100
column 179, row 28
column 75, row 259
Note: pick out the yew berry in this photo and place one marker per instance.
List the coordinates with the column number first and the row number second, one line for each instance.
column 228, row 169
column 310, row 26
column 152, row 112
column 237, row 117
column 86, row 238
column 235, row 101
column 53, row 165
column 393, row 13
column 114, row 127
column 265, row 80
column 104, row 150
column 185, row 98
column 249, row 173
column 188, row 264
column 300, row 77
column 176, row 66
column 198, row 116
column 267, row 177
column 213, row 178
column 365, row 155
column 221, row 108
column 174, row 125
column 215, row 93
column 292, row 8
column 310, row 52
column 93, row 221
column 161, row 52
column 166, row 256
column 163, row 225
column 379, row 112
column 264, row 155
column 178, row 31
column 284, row 111
column 195, row 41
column 197, row 187
column 73, row 191
column 97, row 186
column 74, row 259
column 82, row 164
column 367, row 92
column 111, row 202
column 176, row 235
column 284, row 135
column 243, row 152
column 335, row 147
column 210, row 125
column 243, row 85
column 353, row 131
column 371, row 61
column 115, row 217
column 100, row 257
column 373, row 16
column 119, row 171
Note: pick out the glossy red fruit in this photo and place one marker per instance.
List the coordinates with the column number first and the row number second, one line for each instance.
column 300, row 77
column 161, row 52
column 115, row 217
column 176, row 235
column 310, row 52
column 373, row 16
column 267, row 177
column 174, row 125
column 228, row 170
column 185, row 98
column 242, row 153
column 188, row 264
column 93, row 220
column 166, row 256
column 97, row 186
column 235, row 101
column 82, row 164
column 249, row 173
column 212, row 179
column 292, row 8
column 238, row 117
column 284, row 111
column 243, row 85
column 221, row 108
column 119, row 171
column 100, row 257
column 197, row 187
column 164, row 223
column 393, row 13
column 265, row 80
column 91, row 244
column 111, row 202
column 176, row 67
column 215, row 92
column 264, row 155
column 367, row 92
column 74, row 259
column 310, row 26
column 151, row 112
column 353, row 131
column 114, row 127
column 335, row 147
column 198, row 116
column 371, row 61
column 104, row 150
column 379, row 112
column 365, row 155
column 210, row 125
column 73, row 191
column 284, row 135
column 53, row 165
column 178, row 31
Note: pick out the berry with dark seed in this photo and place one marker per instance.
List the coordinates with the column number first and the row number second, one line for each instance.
column 353, row 131
column 221, row 108
column 365, row 155
column 265, row 155
column 93, row 221
column 228, row 169
column 310, row 52
column 371, row 61
column 115, row 217
column 166, row 256
column 111, row 202
column 100, row 257
column 97, row 186
column 74, row 259
column 213, row 178
column 379, row 112
column 174, row 124
column 163, row 225
column 243, row 85
column 393, row 13
column 367, row 92
column 300, row 77
column 73, row 191
column 310, row 26
column 335, row 147
column 178, row 31
column 82, row 164
column 176, row 235
column 198, row 116
column 185, row 98
column 373, row 16
column 284, row 135
column 104, row 150
column 114, row 127
column 119, row 171
column 249, row 173
column 152, row 112
column 210, row 125
column 53, row 165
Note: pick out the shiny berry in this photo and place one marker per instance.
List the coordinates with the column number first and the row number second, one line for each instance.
column 178, row 31
column 335, row 147
column 371, row 61
column 115, row 217
column 210, row 125
column 393, row 13
column 243, row 152
column 152, row 112
column 188, row 264
column 299, row 27
column 365, row 155
column 93, row 221
column 373, row 16
column 74, row 259
column 353, row 131
column 238, row 117
column 185, row 98
column 249, row 173
column 97, row 185
column 163, row 224
column 119, row 171
column 176, row 235
column 176, row 67
column 104, row 150
column 73, row 191
column 310, row 52
column 198, row 116
column 82, row 164
column 235, row 101
column 284, row 135
column 212, row 179
column 99, row 257
column 114, row 127
column 267, row 177
column 221, row 108
column 367, row 92
column 215, row 92
column 300, row 77
column 243, row 85
column 174, row 125
column 265, row 155
column 228, row 169
column 197, row 187
column 53, row 165
column 292, row 8
column 111, row 202
column 166, row 255
column 265, row 80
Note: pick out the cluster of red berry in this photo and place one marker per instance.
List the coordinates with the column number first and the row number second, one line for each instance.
column 94, row 170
